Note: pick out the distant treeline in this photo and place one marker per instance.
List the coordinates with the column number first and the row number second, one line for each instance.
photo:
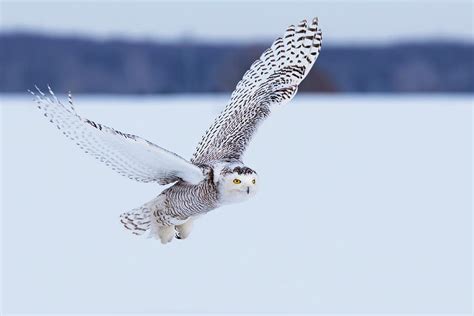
column 120, row 66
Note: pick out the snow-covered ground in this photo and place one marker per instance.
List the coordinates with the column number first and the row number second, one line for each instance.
column 364, row 206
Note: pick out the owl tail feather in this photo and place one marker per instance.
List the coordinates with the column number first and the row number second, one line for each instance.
column 139, row 220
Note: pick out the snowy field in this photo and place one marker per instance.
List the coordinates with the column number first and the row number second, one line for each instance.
column 364, row 207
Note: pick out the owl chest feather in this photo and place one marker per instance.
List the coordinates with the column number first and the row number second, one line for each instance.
column 184, row 200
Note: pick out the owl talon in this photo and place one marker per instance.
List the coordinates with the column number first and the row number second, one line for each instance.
column 183, row 230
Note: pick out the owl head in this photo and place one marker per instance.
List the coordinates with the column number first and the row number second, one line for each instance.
column 236, row 183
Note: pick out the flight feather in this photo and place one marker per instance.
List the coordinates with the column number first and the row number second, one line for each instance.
column 271, row 80
column 127, row 154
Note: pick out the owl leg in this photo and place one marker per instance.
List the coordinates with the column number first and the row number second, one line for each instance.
column 166, row 234
column 183, row 230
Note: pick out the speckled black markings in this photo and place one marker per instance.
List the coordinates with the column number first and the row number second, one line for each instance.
column 261, row 86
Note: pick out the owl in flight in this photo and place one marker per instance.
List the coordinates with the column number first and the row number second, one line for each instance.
column 216, row 174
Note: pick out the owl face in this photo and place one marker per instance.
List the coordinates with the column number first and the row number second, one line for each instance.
column 237, row 184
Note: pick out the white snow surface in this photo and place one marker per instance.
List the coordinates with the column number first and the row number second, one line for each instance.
column 364, row 206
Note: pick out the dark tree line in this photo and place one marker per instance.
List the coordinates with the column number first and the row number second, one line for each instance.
column 119, row 66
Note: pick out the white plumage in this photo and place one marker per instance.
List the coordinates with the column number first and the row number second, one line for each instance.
column 216, row 174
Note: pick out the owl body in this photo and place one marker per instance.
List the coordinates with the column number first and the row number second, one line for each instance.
column 184, row 200
column 216, row 174
column 225, row 183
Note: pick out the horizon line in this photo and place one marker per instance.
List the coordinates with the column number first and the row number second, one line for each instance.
column 208, row 41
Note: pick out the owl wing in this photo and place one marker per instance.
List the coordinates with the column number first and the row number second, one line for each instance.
column 129, row 155
column 271, row 80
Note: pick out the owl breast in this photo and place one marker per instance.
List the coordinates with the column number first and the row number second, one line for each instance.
column 184, row 200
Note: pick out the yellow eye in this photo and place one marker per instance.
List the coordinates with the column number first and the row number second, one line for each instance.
column 253, row 181
column 237, row 181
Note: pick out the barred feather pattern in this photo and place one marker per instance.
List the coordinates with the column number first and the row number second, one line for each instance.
column 273, row 79
column 172, row 207
column 127, row 154
column 184, row 200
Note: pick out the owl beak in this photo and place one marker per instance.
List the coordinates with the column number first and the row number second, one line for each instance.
column 248, row 190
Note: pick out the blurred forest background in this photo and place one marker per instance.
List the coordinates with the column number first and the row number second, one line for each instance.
column 83, row 64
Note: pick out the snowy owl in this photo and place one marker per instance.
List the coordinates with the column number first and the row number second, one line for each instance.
column 216, row 174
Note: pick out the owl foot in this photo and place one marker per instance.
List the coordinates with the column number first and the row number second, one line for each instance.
column 183, row 230
column 166, row 234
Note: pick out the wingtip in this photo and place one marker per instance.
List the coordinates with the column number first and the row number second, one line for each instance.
column 303, row 23
column 39, row 91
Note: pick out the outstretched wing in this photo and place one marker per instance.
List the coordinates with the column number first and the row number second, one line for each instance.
column 129, row 155
column 272, row 79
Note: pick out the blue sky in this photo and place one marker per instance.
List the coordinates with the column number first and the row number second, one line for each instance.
column 345, row 22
